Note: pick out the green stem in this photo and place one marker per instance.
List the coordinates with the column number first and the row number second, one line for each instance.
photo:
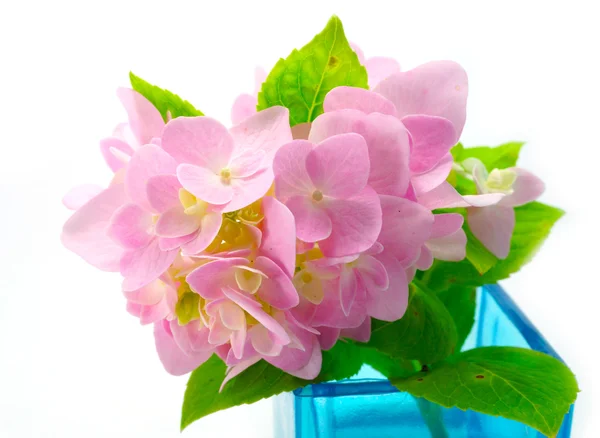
column 431, row 412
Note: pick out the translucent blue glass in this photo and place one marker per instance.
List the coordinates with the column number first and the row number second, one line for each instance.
column 368, row 406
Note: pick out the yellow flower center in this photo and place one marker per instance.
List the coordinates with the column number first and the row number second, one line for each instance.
column 501, row 181
column 191, row 204
column 226, row 175
column 188, row 304
column 317, row 195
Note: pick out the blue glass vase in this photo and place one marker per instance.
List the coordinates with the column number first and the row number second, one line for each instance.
column 368, row 406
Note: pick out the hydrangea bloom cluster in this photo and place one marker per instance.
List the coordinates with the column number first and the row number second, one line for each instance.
column 257, row 242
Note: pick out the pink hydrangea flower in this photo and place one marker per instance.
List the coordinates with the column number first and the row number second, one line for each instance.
column 245, row 104
column 378, row 67
column 227, row 168
column 325, row 187
column 493, row 225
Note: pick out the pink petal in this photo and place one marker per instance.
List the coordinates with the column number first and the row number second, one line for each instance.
column 116, row 152
column 356, row 223
column 437, row 88
column 174, row 360
column 78, row 196
column 390, row 304
column 366, row 101
column 175, row 223
column 328, row 337
column 238, row 340
column 141, row 266
column 219, row 334
column 313, row 367
column 209, row 228
column 387, row 140
column 266, row 131
column 339, row 166
column 144, row 119
column 372, row 272
column 232, row 316
column 329, row 312
column 247, row 163
column 493, row 226
column 148, row 161
column 277, row 289
column 526, row 188
column 362, row 333
column 168, row 243
column 432, row 138
column 446, row 196
column 129, row 226
column 425, row 259
column 243, row 107
column 260, row 315
column 406, row 227
column 84, row 233
column 446, row 224
column 263, row 342
column 204, row 184
column 289, row 166
column 278, row 235
column 147, row 295
column 379, row 68
column 162, row 192
column 191, row 338
column 249, row 189
column 239, row 369
column 312, row 222
column 347, row 289
column 150, row 314
column 208, row 279
column 451, row 247
column 199, row 141
column 433, row 178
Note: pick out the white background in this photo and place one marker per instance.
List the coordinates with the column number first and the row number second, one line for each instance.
column 72, row 362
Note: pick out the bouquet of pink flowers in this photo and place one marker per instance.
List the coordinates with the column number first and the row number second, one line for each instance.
column 335, row 224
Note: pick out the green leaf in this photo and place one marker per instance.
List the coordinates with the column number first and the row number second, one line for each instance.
column 425, row 333
column 461, row 303
column 498, row 157
column 202, row 396
column 386, row 365
column 301, row 81
column 515, row 383
column 164, row 101
column 533, row 224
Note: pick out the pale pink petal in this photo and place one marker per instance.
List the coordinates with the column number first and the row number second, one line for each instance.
column 387, row 140
column 144, row 119
column 209, row 227
column 191, row 338
column 238, row 341
column 406, row 227
column 249, row 189
column 359, row 53
column 175, row 223
column 429, row 180
column 78, row 196
column 289, row 166
column 329, row 312
column 116, row 152
column 162, row 192
column 526, row 188
column 150, row 314
column 207, row 279
column 267, row 131
column 493, row 226
column 278, row 235
column 347, row 290
column 243, row 107
column 258, row 313
column 425, row 259
column 260, row 75
column 247, row 163
column 299, row 361
column 150, row 294
column 148, row 161
column 129, row 226
column 232, row 316
column 356, row 223
column 446, row 224
column 372, row 272
column 432, row 138
column 446, row 196
column 204, row 184
column 168, row 243
column 366, row 101
column 390, row 304
column 328, row 337
column 277, row 288
column 141, row 266
column 199, row 141
column 379, row 68
column 239, row 369
column 219, row 334
column 451, row 247
column 438, row 88
column 312, row 222
column 84, row 233
column 362, row 333
column 263, row 341
column 174, row 360
column 339, row 166
column 313, row 367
